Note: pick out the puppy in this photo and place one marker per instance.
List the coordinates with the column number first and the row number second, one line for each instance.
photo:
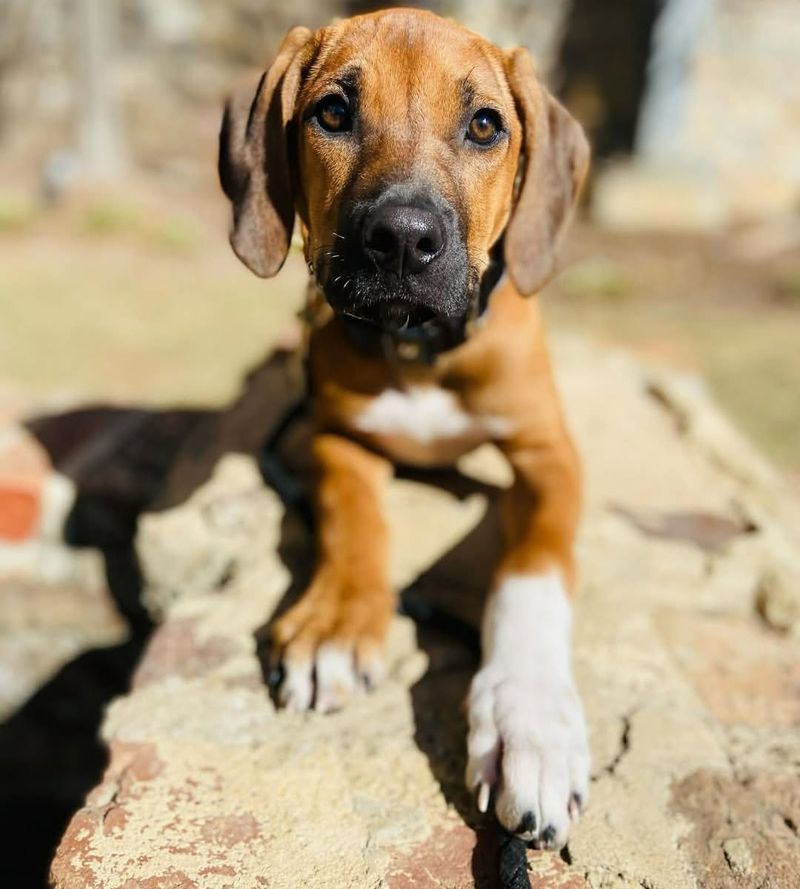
column 433, row 177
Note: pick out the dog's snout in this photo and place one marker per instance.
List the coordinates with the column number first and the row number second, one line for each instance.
column 403, row 239
column 402, row 257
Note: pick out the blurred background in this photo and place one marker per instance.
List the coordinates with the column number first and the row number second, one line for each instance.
column 118, row 288
column 116, row 280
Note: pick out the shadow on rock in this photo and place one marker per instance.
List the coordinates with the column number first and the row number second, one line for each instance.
column 50, row 750
column 121, row 461
column 446, row 602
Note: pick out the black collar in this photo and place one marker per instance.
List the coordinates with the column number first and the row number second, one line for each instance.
column 423, row 343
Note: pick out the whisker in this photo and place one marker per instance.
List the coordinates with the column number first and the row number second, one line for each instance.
column 321, row 253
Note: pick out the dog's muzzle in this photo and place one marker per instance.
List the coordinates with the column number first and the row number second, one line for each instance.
column 398, row 260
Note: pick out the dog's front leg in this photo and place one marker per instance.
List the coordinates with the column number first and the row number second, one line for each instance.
column 527, row 739
column 331, row 641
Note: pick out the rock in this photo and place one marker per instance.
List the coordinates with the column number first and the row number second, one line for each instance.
column 740, row 83
column 722, row 812
column 716, row 140
column 34, row 498
column 743, row 674
column 778, row 597
column 691, row 701
column 737, row 854
column 46, row 623
column 54, row 601
column 207, row 542
column 696, row 416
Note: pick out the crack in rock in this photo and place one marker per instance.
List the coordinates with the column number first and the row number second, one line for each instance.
column 624, row 743
column 112, row 804
column 617, row 877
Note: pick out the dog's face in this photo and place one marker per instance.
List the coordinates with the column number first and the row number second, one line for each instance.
column 399, row 139
column 408, row 148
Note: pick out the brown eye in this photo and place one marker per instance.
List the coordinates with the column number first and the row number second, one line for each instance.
column 333, row 114
column 484, row 128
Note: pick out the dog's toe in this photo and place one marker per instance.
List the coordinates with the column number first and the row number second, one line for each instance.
column 323, row 674
column 335, row 675
column 296, row 691
column 370, row 663
column 517, row 803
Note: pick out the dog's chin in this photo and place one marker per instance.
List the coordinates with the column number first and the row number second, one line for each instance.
column 392, row 314
column 397, row 308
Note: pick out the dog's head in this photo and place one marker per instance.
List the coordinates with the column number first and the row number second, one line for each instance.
column 408, row 147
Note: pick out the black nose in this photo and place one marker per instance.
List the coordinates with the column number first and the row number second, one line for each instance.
column 403, row 239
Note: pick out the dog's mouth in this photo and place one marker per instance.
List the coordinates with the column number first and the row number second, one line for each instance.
column 399, row 306
column 393, row 315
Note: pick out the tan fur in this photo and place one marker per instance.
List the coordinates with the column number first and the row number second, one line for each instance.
column 526, row 188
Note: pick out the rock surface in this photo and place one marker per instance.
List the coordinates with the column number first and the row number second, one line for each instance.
column 692, row 697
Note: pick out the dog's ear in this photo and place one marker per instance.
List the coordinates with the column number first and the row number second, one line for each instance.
column 254, row 167
column 554, row 163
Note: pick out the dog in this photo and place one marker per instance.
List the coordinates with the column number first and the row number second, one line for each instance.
column 433, row 177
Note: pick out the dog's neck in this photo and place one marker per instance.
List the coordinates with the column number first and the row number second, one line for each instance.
column 425, row 342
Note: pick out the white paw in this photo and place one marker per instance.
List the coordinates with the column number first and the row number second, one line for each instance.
column 527, row 740
column 527, row 744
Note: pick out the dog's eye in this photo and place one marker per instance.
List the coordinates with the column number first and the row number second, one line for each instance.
column 333, row 114
column 484, row 128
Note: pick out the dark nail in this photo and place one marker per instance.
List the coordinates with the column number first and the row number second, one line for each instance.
column 275, row 676
column 527, row 824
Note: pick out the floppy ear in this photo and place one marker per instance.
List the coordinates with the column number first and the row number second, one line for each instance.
column 554, row 162
column 254, row 160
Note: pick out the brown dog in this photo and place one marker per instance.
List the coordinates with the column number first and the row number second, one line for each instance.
column 424, row 163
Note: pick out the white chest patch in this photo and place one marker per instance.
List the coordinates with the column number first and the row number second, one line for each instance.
column 426, row 414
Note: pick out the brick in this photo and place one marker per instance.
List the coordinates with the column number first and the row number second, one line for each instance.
column 19, row 509
column 23, row 471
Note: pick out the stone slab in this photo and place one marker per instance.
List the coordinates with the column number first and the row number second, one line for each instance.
column 691, row 696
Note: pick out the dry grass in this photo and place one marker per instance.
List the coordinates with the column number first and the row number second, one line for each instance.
column 688, row 303
column 117, row 302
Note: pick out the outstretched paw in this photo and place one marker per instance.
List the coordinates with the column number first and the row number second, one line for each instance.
column 527, row 745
